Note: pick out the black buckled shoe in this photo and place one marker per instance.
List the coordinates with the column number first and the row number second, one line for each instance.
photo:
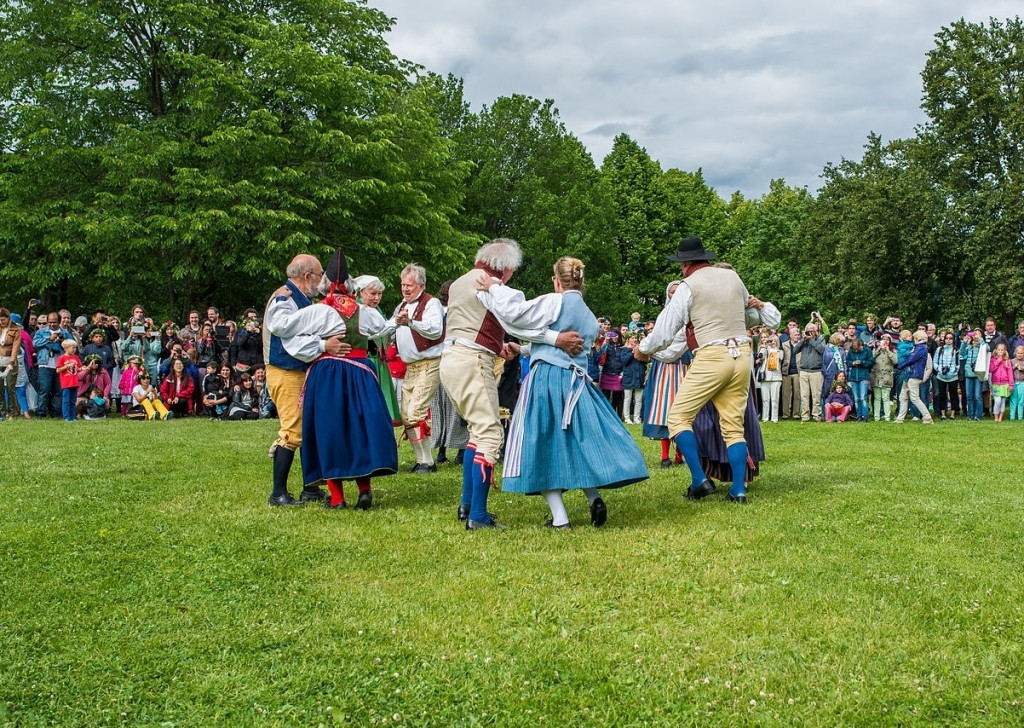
column 365, row 501
column 666, row 464
column 598, row 512
column 314, row 494
column 472, row 525
column 283, row 500
column 704, row 489
column 741, row 499
column 463, row 512
column 337, row 507
column 551, row 524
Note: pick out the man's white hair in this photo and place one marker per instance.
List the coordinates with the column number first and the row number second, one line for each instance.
column 501, row 254
column 418, row 272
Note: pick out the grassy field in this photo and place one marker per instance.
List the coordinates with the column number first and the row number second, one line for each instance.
column 875, row 579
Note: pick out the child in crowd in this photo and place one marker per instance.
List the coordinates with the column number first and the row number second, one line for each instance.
column 267, row 407
column 217, row 391
column 838, row 404
column 1017, row 398
column 176, row 390
column 245, row 400
column 634, row 326
column 146, row 397
column 769, row 377
column 68, row 365
column 633, row 372
column 96, row 405
column 1001, row 373
column 129, row 378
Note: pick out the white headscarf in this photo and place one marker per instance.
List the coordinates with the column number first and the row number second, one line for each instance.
column 363, row 282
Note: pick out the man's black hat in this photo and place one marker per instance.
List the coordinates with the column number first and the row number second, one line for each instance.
column 691, row 248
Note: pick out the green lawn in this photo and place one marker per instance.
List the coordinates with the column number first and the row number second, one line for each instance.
column 874, row 579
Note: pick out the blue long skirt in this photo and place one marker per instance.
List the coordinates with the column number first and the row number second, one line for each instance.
column 714, row 454
column 346, row 427
column 593, row 451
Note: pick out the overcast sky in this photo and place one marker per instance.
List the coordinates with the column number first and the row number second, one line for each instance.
column 749, row 91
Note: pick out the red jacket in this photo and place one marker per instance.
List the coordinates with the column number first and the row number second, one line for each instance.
column 180, row 388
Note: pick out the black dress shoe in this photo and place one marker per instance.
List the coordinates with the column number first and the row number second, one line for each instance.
column 551, row 524
column 463, row 512
column 598, row 512
column 336, row 507
column 704, row 489
column 365, row 501
column 472, row 525
column 422, row 468
column 415, row 468
column 737, row 498
column 666, row 464
column 283, row 500
column 315, row 494
column 440, row 459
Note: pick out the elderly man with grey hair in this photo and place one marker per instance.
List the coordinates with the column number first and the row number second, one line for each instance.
column 476, row 337
column 418, row 328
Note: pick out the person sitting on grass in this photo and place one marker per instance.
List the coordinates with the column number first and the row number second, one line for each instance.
column 217, row 392
column 96, row 405
column 268, row 409
column 145, row 396
column 176, row 391
column 838, row 403
column 245, row 399
column 91, row 376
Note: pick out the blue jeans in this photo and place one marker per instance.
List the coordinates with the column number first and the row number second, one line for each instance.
column 68, row 400
column 973, row 396
column 49, row 401
column 860, row 396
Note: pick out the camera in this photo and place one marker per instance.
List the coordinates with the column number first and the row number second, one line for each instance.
column 34, row 302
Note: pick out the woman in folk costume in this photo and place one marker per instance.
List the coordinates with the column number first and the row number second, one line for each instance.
column 668, row 367
column 369, row 290
column 346, row 427
column 561, row 420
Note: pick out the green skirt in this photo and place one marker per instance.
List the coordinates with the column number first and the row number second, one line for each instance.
column 387, row 387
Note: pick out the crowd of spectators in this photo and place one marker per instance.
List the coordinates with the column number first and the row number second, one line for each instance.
column 90, row 368
column 93, row 367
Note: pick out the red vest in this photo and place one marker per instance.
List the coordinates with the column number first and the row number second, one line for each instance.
column 422, row 343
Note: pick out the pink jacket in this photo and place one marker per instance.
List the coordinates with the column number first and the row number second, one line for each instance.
column 129, row 378
column 1001, row 371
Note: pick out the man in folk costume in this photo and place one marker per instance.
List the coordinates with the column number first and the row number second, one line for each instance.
column 713, row 306
column 418, row 326
column 346, row 427
column 476, row 338
column 286, row 371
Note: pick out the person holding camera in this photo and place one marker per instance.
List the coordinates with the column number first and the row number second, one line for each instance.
column 246, row 352
column 48, row 345
column 946, row 361
column 811, row 350
column 143, row 340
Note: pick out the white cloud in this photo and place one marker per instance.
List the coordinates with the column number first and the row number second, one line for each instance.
column 748, row 91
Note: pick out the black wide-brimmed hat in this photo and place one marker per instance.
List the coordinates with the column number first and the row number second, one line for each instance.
column 691, row 248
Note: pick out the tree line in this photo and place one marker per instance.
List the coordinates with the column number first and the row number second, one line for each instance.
column 180, row 153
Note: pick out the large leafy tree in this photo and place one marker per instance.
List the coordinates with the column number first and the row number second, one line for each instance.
column 874, row 239
column 184, row 151
column 974, row 98
column 532, row 181
column 643, row 230
column 766, row 250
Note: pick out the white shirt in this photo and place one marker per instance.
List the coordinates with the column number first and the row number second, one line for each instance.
column 430, row 326
column 526, row 320
column 319, row 322
column 673, row 319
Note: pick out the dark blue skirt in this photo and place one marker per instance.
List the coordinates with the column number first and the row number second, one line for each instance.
column 714, row 454
column 346, row 427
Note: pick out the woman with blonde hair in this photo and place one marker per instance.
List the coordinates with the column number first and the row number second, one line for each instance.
column 561, row 419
